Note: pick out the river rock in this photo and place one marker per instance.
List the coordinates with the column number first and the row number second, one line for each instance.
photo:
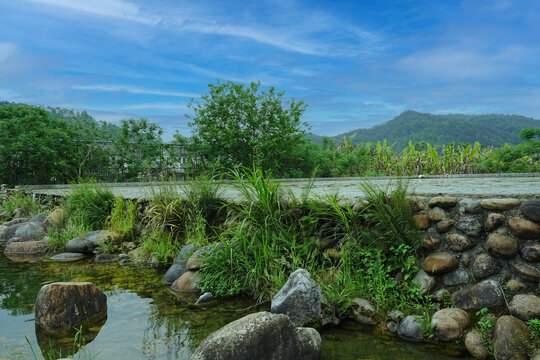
column 179, row 265
column 39, row 217
column 530, row 252
column 485, row 265
column 494, row 220
column 425, row 282
column 55, row 218
column 501, row 246
column 411, row 328
column 396, row 316
column 300, row 298
column 205, row 298
column 449, row 324
column 516, row 286
column 525, row 306
column 473, row 343
column 66, row 304
column 15, row 221
column 27, row 248
column 421, row 221
column 105, row 258
column 441, row 295
column 198, row 259
column 444, row 202
column 431, row 243
column 469, row 206
column 500, row 204
column 30, row 231
column 362, row 312
column 487, row 293
column 436, row 214
column 458, row 242
column 441, row 262
column 526, row 272
column 455, row 278
column 261, row 336
column 445, row 225
column 86, row 243
column 524, row 229
column 470, row 226
column 531, row 210
column 510, row 333
column 188, row 282
column 67, row 257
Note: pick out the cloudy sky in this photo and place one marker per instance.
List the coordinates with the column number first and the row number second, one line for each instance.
column 355, row 63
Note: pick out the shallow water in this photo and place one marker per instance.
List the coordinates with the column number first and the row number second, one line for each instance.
column 147, row 321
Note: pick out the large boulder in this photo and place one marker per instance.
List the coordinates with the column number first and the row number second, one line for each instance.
column 487, row 293
column 32, row 230
column 57, row 217
column 27, row 248
column 525, row 306
column 510, row 334
column 449, row 324
column 300, row 298
column 86, row 243
column 66, row 304
column 179, row 266
column 260, row 336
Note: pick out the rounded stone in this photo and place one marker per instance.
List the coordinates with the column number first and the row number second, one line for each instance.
column 508, row 339
column 470, row 226
column 425, row 282
column 455, row 278
column 494, row 220
column 487, row 293
column 501, row 246
column 530, row 252
column 526, row 272
column 516, row 286
column 469, row 206
column 431, row 243
column 531, row 210
column 444, row 202
column 458, row 242
column 411, row 328
column 524, row 229
column 525, row 306
column 421, row 221
column 441, row 262
column 485, row 265
column 188, row 282
column 445, row 225
column 67, row 257
column 500, row 204
column 436, row 214
column 26, row 248
column 473, row 343
column 449, row 324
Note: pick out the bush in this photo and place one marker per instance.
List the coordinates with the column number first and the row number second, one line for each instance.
column 91, row 204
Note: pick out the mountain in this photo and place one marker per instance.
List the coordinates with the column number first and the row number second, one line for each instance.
column 490, row 129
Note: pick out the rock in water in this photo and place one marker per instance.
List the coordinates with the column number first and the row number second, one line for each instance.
column 179, row 265
column 66, row 304
column 260, row 336
column 88, row 242
column 410, row 328
column 300, row 299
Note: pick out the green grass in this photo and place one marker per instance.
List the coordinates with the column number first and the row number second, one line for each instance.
column 91, row 203
column 71, row 228
column 17, row 200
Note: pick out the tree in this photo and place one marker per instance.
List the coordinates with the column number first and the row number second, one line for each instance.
column 237, row 125
column 35, row 147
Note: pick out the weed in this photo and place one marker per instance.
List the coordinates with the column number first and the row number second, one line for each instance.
column 534, row 337
column 19, row 200
column 91, row 203
column 73, row 227
column 486, row 328
column 123, row 218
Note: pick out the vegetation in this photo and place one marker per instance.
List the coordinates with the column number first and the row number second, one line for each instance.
column 534, row 337
column 486, row 328
column 18, row 200
column 91, row 204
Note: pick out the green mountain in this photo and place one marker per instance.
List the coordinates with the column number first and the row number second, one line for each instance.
column 491, row 129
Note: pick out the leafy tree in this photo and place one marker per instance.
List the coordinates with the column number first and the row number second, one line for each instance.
column 35, row 147
column 236, row 125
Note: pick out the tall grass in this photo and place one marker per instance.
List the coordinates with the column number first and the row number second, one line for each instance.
column 91, row 204
column 19, row 199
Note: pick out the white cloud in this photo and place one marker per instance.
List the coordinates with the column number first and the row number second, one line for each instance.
column 132, row 90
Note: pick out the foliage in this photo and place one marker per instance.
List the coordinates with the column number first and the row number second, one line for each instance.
column 486, row 328
column 73, row 227
column 534, row 336
column 237, row 125
column 160, row 245
column 90, row 203
column 19, row 199
column 123, row 218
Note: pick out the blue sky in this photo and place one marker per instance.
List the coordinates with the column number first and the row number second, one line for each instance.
column 355, row 63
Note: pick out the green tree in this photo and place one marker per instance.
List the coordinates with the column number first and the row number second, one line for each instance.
column 237, row 125
column 35, row 147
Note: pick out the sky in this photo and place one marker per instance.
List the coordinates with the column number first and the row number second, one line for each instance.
column 354, row 63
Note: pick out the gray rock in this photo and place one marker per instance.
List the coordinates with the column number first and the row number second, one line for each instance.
column 526, row 272
column 510, row 333
column 441, row 295
column 362, row 312
column 455, row 278
column 198, row 259
column 179, row 266
column 487, row 293
column 473, row 343
column 30, row 231
column 39, row 217
column 525, row 306
column 396, row 316
column 66, row 257
column 104, row 258
column 15, row 221
column 87, row 243
column 66, row 304
column 8, row 231
column 205, row 298
column 260, row 336
column 469, row 206
column 485, row 265
column 300, row 298
column 125, row 262
column 531, row 210
column 392, row 327
column 449, row 324
column 425, row 281
column 411, row 328
column 55, row 218
column 470, row 226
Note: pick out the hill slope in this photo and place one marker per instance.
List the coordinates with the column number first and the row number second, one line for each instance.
column 491, row 129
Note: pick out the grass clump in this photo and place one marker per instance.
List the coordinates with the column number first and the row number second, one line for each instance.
column 486, row 328
column 534, row 337
column 71, row 228
column 124, row 218
column 19, row 200
column 91, row 204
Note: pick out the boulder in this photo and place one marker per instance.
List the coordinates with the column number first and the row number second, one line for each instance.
column 87, row 243
column 445, row 225
column 410, row 328
column 179, row 266
column 300, row 298
column 188, row 282
column 510, row 333
column 470, row 226
column 27, row 248
column 198, row 259
column 524, row 229
column 525, row 306
column 458, row 242
column 421, row 221
column 455, row 278
column 469, row 206
column 444, row 202
column 473, row 343
column 487, row 293
column 494, row 220
column 260, row 336
column 8, row 231
column 441, row 262
column 39, row 217
column 530, row 252
column 485, row 265
column 30, row 231
column 531, row 210
column 68, row 257
column 55, row 218
column 362, row 312
column 500, row 204
column 449, row 324
column 66, row 304
column 425, row 282
column 501, row 246
column 526, row 272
